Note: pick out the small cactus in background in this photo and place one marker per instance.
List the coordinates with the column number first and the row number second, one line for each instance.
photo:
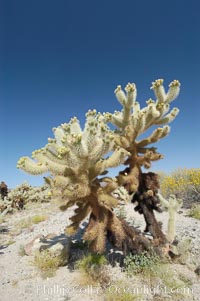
column 3, row 190
column 18, row 197
column 172, row 205
column 75, row 157
column 5, row 206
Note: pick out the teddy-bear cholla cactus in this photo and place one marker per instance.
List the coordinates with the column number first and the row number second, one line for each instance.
column 75, row 158
column 172, row 206
column 134, row 121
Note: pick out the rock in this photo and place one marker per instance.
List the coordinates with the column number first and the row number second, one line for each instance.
column 58, row 246
column 50, row 235
column 61, row 250
column 32, row 245
column 174, row 252
column 197, row 271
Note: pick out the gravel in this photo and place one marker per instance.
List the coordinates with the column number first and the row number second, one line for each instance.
column 20, row 280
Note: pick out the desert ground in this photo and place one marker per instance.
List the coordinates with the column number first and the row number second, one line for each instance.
column 22, row 280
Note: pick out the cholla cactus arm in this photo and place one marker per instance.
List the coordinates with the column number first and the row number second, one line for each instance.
column 61, row 181
column 31, row 167
column 118, row 157
column 122, row 119
column 162, row 97
column 157, row 134
column 109, row 184
column 173, row 92
column 163, row 201
column 159, row 90
column 153, row 113
column 80, row 214
column 145, row 160
column 54, row 167
column 169, row 117
column 130, row 179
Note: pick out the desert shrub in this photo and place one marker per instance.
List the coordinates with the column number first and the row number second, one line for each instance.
column 46, row 263
column 183, row 183
column 140, row 263
column 93, row 268
column 21, row 251
column 195, row 211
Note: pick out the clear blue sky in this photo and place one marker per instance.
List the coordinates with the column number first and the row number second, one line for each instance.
column 60, row 58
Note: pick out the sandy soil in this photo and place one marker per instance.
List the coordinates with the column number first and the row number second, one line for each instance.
column 20, row 279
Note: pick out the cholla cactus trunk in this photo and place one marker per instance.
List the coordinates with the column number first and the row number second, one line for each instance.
column 147, row 200
column 104, row 224
column 76, row 157
column 171, row 231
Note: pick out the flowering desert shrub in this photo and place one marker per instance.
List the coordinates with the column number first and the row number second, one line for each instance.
column 183, row 183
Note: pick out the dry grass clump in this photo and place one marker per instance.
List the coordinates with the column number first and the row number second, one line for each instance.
column 36, row 219
column 93, row 269
column 10, row 241
column 46, row 263
column 195, row 211
column 2, row 219
column 28, row 222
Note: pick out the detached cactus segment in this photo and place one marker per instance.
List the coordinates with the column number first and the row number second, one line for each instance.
column 75, row 157
column 172, row 205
